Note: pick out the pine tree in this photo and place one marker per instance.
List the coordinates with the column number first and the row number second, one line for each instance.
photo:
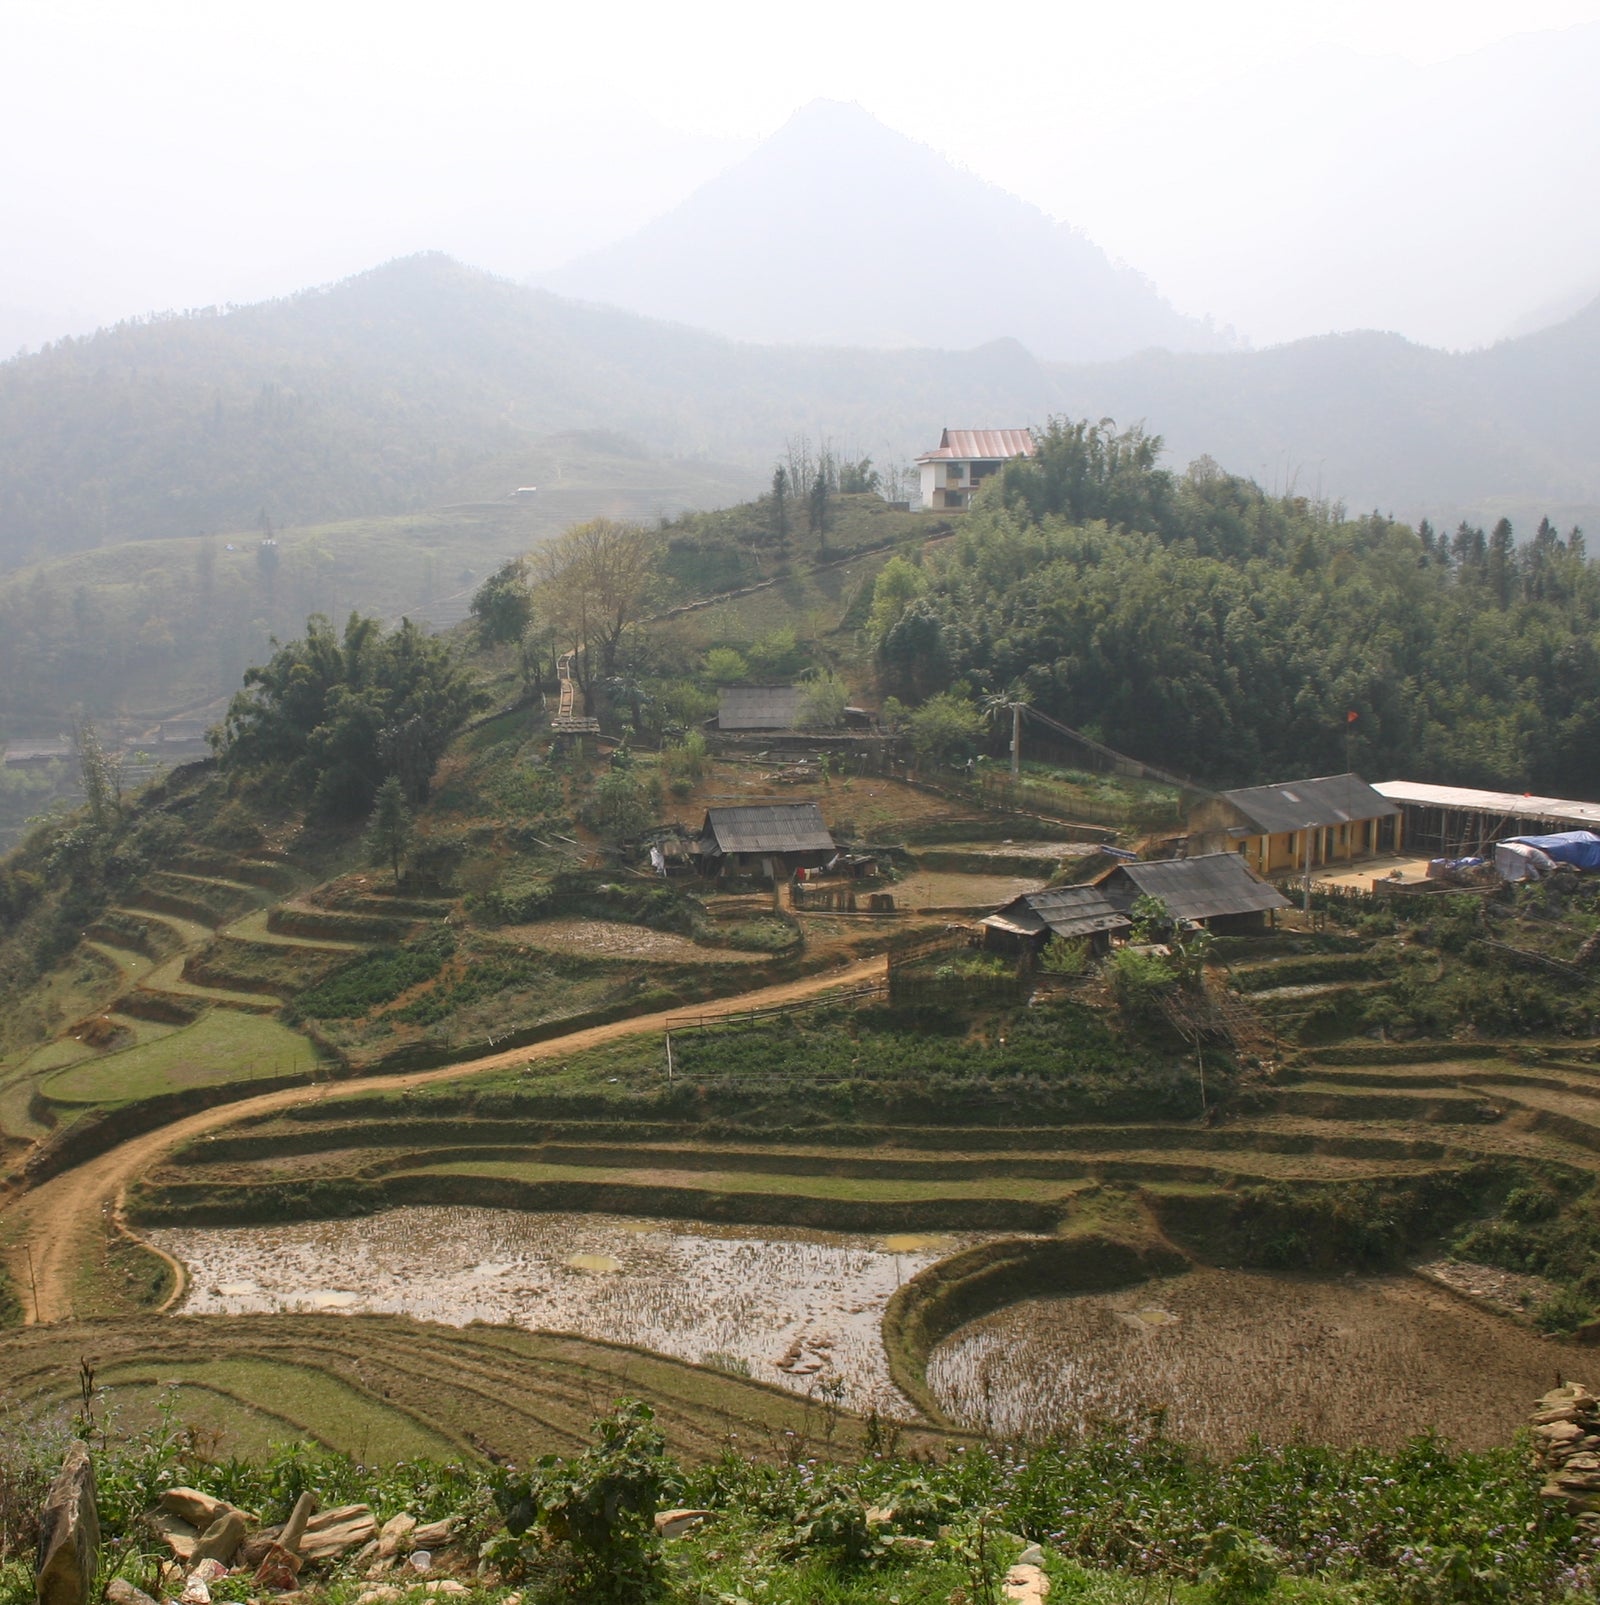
column 389, row 829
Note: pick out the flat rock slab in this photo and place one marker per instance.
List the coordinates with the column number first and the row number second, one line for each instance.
column 334, row 1531
column 1026, row 1585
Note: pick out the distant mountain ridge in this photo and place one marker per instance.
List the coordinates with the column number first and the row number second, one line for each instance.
column 1376, row 421
column 402, row 387
column 839, row 231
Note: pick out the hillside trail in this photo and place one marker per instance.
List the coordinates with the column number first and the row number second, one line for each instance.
column 58, row 1221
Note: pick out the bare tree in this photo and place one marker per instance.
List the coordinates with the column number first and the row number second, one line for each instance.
column 594, row 583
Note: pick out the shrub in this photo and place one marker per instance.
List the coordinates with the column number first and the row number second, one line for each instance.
column 687, row 760
column 1138, row 980
column 1065, row 956
column 1564, row 1311
column 372, row 981
column 725, row 666
column 599, row 1507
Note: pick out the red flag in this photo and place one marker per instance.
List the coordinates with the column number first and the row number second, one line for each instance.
column 1351, row 716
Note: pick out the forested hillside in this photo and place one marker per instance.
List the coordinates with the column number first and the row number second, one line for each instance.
column 405, row 388
column 1200, row 623
column 424, row 383
column 1376, row 421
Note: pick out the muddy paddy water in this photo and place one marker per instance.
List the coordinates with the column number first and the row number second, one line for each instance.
column 1231, row 1354
column 798, row 1308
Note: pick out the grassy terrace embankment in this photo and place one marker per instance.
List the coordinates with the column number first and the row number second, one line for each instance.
column 388, row 1388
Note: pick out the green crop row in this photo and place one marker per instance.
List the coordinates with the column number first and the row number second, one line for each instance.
column 374, row 980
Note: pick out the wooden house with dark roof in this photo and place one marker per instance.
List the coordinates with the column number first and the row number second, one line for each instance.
column 1031, row 920
column 770, row 840
column 1217, row 890
column 1283, row 828
column 759, row 707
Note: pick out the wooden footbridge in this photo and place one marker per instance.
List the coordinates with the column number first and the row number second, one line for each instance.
column 568, row 721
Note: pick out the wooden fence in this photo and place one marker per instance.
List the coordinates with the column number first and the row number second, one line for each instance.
column 701, row 1022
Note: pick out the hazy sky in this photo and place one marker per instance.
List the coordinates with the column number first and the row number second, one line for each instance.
column 158, row 155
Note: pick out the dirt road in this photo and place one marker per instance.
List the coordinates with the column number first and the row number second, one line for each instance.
column 60, row 1221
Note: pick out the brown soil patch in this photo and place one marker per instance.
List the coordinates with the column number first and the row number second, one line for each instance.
column 612, row 939
column 1229, row 1354
column 874, row 808
column 937, row 888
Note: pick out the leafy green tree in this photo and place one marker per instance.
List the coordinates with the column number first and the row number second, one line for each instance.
column 823, row 702
column 780, row 505
column 819, row 507
column 1065, row 955
column 1502, row 562
column 899, row 583
column 619, row 808
column 913, row 659
column 1139, row 981
column 503, row 605
column 1152, row 920
column 858, row 478
column 329, row 717
column 100, row 774
column 945, row 729
column 726, row 666
column 390, row 827
column 776, row 655
column 1082, row 471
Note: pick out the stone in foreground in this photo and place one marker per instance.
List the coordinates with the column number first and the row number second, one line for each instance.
column 69, row 1533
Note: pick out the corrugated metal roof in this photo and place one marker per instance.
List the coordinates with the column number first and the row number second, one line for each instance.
column 984, row 444
column 1513, row 804
column 1302, row 804
column 758, row 707
column 769, row 828
column 1064, row 910
column 1194, row 888
column 1021, row 924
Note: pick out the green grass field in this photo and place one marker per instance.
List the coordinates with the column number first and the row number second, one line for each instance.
column 223, row 1045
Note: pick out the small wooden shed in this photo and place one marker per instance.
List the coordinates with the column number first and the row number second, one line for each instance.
column 771, row 840
column 1217, row 890
column 1031, row 920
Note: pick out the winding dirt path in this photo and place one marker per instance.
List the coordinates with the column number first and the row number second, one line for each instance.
column 60, row 1221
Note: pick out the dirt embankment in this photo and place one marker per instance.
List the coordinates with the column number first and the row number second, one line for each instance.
column 60, row 1222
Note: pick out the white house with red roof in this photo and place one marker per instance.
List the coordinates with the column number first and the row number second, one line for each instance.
column 964, row 458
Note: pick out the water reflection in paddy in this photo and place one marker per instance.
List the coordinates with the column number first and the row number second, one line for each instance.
column 799, row 1308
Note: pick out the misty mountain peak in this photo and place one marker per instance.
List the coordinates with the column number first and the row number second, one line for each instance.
column 838, row 230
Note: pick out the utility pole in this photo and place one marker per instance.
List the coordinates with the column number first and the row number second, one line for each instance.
column 1307, row 902
column 1016, row 741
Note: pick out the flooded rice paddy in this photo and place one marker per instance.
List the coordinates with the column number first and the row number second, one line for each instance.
column 798, row 1308
column 1231, row 1354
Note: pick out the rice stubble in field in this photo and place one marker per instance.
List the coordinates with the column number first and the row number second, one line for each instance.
column 1228, row 1355
column 799, row 1308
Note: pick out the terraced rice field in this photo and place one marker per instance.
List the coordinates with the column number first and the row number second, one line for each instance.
column 391, row 1388
column 1231, row 1354
column 797, row 1309
column 222, row 1045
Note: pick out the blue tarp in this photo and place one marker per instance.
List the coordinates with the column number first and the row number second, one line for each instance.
column 1580, row 848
